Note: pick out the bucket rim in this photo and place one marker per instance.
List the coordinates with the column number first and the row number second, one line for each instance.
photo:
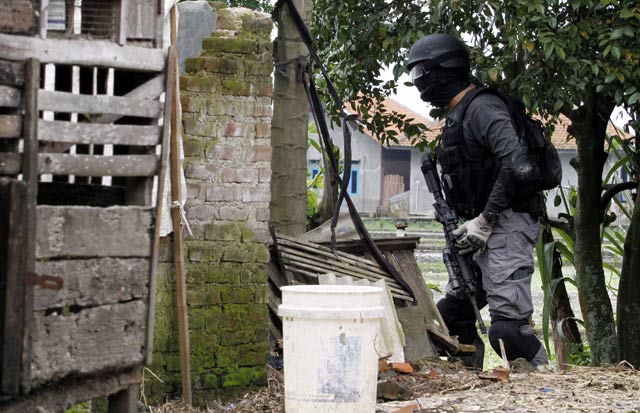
column 332, row 289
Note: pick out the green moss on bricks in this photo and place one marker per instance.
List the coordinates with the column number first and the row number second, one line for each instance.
column 223, row 232
column 246, row 376
column 173, row 362
column 236, row 44
column 210, row 381
column 203, row 297
column 236, row 87
column 203, row 251
column 205, row 273
column 236, row 295
column 195, row 148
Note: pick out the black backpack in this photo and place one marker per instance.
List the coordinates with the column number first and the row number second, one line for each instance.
column 542, row 168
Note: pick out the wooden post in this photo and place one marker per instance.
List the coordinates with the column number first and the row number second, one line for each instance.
column 13, row 216
column 30, row 176
column 178, row 250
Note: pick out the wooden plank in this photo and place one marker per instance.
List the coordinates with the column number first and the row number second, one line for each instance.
column 11, row 73
column 93, row 282
column 326, row 252
column 150, row 90
column 82, row 52
column 391, row 243
column 176, row 218
column 98, row 134
column 10, row 126
column 121, row 34
column 93, row 232
column 97, row 165
column 30, row 176
column 141, row 19
column 9, row 96
column 314, row 269
column 10, row 163
column 407, row 266
column 93, row 339
column 99, row 104
column 62, row 395
column 335, row 265
column 13, row 240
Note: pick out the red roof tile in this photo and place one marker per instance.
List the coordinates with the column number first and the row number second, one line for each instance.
column 560, row 137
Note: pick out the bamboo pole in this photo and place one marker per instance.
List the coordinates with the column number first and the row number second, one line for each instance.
column 178, row 250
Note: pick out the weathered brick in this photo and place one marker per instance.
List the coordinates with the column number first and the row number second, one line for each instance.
column 263, row 130
column 261, row 154
column 201, row 251
column 221, row 153
column 263, row 88
column 238, row 175
column 223, row 232
column 256, row 195
column 236, row 129
column 264, row 175
column 235, row 87
column 194, row 148
column 233, row 214
column 236, row 295
column 262, row 214
column 258, row 24
column 203, row 213
column 203, row 296
column 258, row 68
column 207, row 84
column 200, row 171
column 236, row 44
column 216, row 194
column 191, row 103
column 195, row 190
column 225, row 64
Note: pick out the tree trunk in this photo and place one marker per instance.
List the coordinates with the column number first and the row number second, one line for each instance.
column 564, row 327
column 589, row 128
column 289, row 127
column 628, row 306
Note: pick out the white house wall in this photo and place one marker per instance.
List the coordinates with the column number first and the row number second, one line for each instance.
column 367, row 152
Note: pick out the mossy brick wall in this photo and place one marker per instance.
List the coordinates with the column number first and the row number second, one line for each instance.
column 226, row 102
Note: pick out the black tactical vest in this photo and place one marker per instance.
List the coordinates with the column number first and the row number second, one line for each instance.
column 467, row 182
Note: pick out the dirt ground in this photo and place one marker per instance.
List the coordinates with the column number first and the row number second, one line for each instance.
column 442, row 388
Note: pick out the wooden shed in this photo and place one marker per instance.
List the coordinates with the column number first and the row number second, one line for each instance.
column 82, row 144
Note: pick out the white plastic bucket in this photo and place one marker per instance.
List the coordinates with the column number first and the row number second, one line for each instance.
column 330, row 361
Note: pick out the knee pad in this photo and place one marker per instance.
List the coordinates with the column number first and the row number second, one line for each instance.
column 518, row 337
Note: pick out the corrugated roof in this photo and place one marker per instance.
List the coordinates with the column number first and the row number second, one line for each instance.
column 560, row 136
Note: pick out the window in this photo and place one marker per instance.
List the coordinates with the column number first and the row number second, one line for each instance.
column 314, row 168
column 354, row 182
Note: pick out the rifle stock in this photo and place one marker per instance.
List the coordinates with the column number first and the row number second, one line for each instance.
column 462, row 273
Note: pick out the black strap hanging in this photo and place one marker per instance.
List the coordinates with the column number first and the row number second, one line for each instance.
column 347, row 121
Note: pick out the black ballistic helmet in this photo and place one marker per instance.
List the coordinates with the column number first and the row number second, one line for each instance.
column 439, row 49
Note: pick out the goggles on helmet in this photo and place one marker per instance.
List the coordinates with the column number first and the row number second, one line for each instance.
column 420, row 70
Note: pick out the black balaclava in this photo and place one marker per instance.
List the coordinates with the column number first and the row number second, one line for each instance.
column 440, row 85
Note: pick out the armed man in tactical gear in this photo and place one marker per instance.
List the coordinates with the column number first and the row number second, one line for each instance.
column 480, row 159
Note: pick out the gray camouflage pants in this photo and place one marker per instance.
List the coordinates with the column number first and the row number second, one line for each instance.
column 507, row 265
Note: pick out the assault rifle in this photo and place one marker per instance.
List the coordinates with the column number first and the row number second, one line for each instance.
column 462, row 272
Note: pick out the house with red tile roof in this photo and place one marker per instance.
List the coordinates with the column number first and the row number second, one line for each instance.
column 386, row 179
